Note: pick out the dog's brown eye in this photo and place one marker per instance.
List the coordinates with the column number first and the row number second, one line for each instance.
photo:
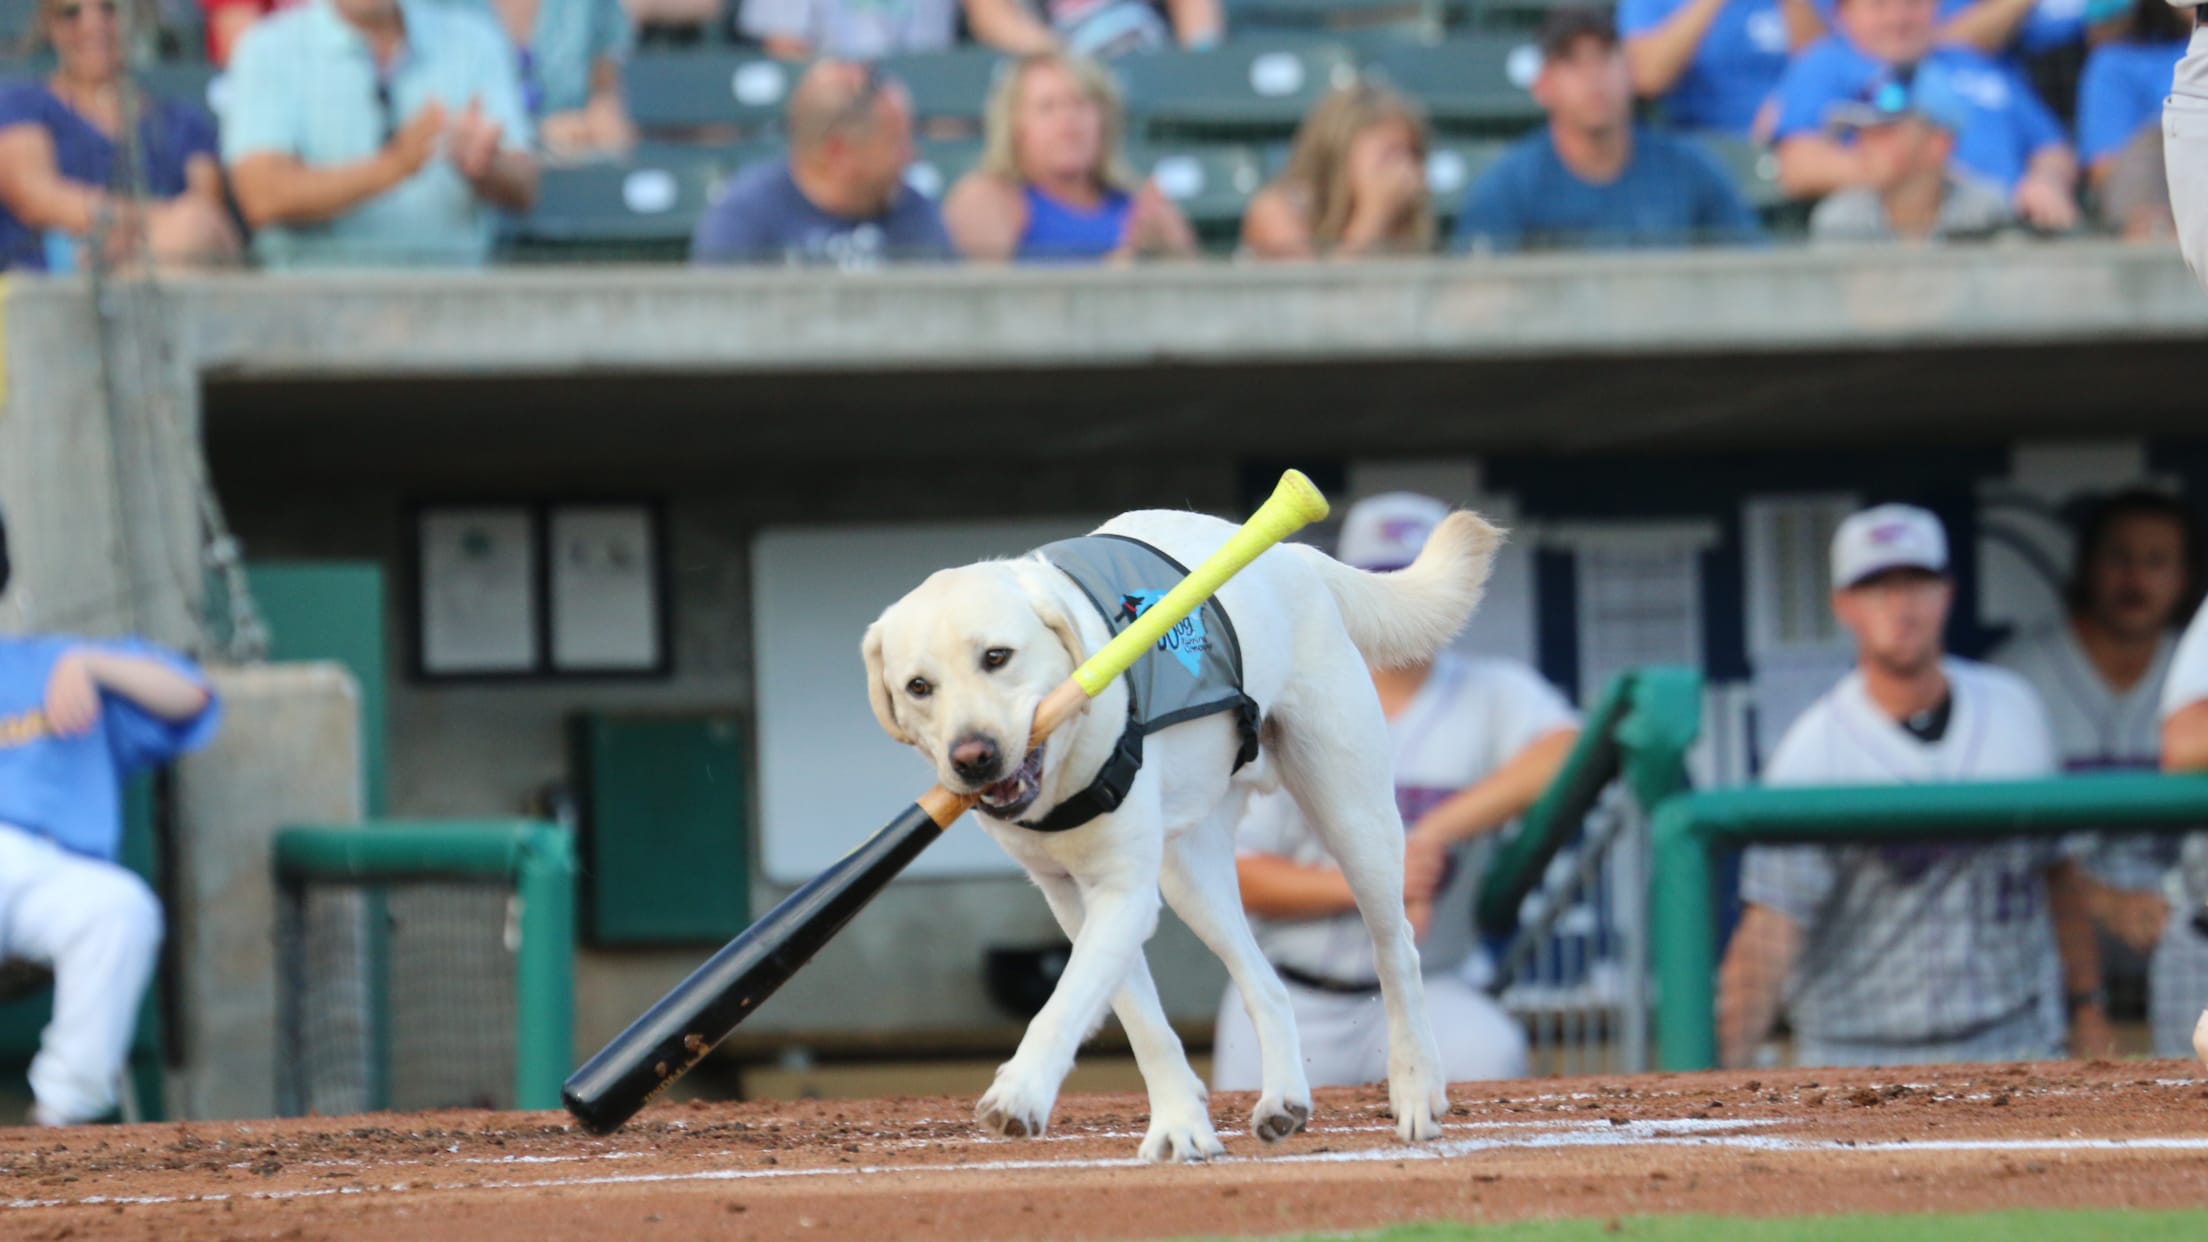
column 919, row 688
column 996, row 657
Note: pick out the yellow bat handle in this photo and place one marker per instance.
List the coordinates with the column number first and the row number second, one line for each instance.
column 1294, row 504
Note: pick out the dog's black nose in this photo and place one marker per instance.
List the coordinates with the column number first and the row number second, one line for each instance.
column 976, row 758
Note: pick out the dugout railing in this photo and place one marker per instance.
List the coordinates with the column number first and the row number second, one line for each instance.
column 1692, row 835
column 366, row 911
column 1564, row 895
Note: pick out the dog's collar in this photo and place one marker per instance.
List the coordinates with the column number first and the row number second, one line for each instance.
column 1105, row 793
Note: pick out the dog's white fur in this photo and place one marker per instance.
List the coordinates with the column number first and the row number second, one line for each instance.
column 1308, row 626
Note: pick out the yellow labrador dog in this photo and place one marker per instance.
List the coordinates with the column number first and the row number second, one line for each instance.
column 955, row 669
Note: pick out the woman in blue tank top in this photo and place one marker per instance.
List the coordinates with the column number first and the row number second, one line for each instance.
column 1052, row 185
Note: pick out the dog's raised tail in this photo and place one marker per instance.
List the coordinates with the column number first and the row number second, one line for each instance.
column 1407, row 615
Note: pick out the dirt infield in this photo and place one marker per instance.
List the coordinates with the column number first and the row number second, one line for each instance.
column 1775, row 1143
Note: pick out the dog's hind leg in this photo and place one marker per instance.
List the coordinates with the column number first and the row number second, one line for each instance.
column 1199, row 883
column 1180, row 1116
column 1334, row 760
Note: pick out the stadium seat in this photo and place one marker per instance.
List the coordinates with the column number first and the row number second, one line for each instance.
column 938, row 162
column 634, row 210
column 1452, row 167
column 194, row 82
column 1256, row 16
column 950, row 85
column 684, row 91
column 1754, row 169
column 1476, row 83
column 1211, row 185
column 1255, row 83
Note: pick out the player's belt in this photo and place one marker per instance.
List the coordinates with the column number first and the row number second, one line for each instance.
column 1320, row 983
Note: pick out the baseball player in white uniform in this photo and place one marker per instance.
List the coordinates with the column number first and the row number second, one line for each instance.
column 1476, row 742
column 2185, row 749
column 2100, row 671
column 1917, row 952
column 2185, row 147
column 75, row 717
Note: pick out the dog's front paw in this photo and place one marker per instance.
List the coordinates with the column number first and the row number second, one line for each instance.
column 1275, row 1118
column 1181, row 1134
column 1419, row 1103
column 1017, row 1106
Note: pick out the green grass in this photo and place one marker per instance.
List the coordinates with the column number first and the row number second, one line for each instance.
column 2107, row 1226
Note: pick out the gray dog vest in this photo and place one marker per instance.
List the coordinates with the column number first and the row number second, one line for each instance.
column 1194, row 671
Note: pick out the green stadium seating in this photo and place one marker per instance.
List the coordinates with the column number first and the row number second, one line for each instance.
column 194, row 82
column 1210, row 184
column 937, row 163
column 672, row 91
column 1472, row 83
column 1452, row 167
column 949, row 85
column 637, row 209
column 1249, row 84
column 1754, row 169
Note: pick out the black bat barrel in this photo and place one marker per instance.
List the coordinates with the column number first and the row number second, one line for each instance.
column 676, row 1033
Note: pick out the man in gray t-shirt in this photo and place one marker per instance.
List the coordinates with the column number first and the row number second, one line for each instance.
column 840, row 199
column 1905, row 131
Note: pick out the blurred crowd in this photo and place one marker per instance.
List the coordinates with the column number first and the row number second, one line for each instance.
column 409, row 130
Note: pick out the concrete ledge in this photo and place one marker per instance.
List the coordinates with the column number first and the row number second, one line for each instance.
column 579, row 320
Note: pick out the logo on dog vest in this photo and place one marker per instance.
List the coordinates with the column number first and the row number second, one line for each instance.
column 1185, row 642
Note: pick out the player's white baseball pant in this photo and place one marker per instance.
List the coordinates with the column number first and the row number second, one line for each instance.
column 2185, row 153
column 98, row 928
column 1345, row 1038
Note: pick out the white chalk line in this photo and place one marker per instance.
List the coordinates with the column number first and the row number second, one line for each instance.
column 1703, row 1133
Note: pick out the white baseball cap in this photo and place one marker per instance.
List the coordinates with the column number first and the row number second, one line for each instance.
column 1887, row 537
column 1386, row 531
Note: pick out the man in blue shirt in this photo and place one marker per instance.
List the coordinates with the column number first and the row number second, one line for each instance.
column 1593, row 177
column 75, row 718
column 1713, row 63
column 2007, row 136
column 376, row 132
column 2127, row 76
column 840, row 198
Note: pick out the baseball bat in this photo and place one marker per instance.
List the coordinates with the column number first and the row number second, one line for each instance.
column 676, row 1033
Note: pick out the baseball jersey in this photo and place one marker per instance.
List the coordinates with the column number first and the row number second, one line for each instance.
column 1915, row 943
column 2096, row 729
column 1471, row 717
column 69, row 789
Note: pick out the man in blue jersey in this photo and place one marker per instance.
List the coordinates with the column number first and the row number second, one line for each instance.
column 1711, row 63
column 76, row 716
column 1593, row 178
column 2005, row 135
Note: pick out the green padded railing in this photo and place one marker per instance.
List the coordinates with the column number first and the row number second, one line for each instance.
column 1690, row 830
column 1639, row 730
column 537, row 858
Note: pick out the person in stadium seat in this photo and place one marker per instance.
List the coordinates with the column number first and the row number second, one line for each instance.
column 1995, row 27
column 1052, row 185
column 2005, row 135
column 570, row 54
column 1710, row 63
column 2136, row 577
column 1355, row 182
column 61, row 181
column 2127, row 76
column 1592, row 176
column 1095, row 28
column 1910, row 951
column 1906, row 134
column 839, row 198
column 376, row 132
column 849, row 29
column 1477, row 741
column 76, row 717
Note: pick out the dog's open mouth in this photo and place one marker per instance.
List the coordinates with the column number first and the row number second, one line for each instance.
column 1015, row 793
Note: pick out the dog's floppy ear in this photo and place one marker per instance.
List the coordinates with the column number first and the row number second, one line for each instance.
column 1051, row 613
column 877, row 685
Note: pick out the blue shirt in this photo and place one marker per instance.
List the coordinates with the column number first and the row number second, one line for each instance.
column 170, row 134
column 2006, row 123
column 1734, row 67
column 2050, row 24
column 69, row 789
column 304, row 83
column 760, row 216
column 1059, row 233
column 1671, row 193
column 2121, row 92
